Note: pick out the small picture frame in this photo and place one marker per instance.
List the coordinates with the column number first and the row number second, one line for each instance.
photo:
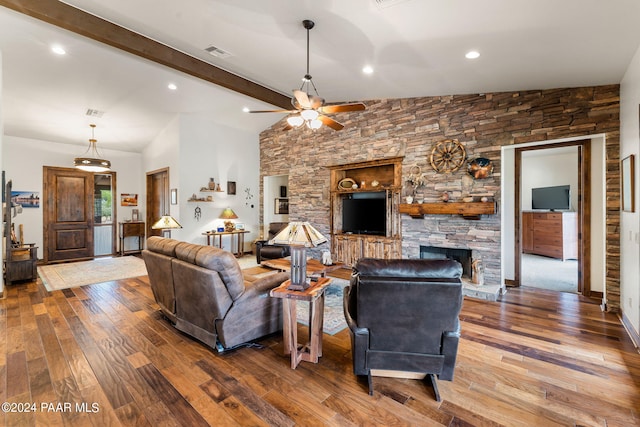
column 627, row 173
column 239, row 226
column 135, row 215
column 128, row 199
column 282, row 206
column 174, row 196
column 231, row 187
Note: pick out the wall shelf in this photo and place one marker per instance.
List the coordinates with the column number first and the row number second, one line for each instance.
column 471, row 210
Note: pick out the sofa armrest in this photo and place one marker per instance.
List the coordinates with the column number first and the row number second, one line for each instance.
column 359, row 338
column 450, row 341
column 271, row 281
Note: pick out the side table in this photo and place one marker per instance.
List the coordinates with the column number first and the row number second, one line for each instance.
column 314, row 294
column 131, row 229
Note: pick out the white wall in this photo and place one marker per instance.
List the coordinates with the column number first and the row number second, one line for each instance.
column 547, row 168
column 23, row 161
column 630, row 221
column 195, row 149
column 271, row 191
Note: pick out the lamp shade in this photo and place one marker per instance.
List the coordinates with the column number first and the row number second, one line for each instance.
column 299, row 234
column 166, row 222
column 228, row 213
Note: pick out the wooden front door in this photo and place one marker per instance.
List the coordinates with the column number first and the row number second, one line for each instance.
column 68, row 214
column 157, row 198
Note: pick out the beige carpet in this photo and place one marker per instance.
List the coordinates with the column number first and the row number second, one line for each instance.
column 73, row 274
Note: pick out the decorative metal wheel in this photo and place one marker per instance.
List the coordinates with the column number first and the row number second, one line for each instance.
column 447, row 156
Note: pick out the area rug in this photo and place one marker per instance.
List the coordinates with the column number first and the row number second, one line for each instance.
column 73, row 274
column 333, row 312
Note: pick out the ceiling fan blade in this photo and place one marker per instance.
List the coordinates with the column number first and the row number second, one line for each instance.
column 274, row 111
column 328, row 121
column 302, row 99
column 340, row 108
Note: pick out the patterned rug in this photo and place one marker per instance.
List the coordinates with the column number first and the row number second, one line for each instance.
column 74, row 274
column 333, row 321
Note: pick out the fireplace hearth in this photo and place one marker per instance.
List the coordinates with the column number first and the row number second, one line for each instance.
column 464, row 257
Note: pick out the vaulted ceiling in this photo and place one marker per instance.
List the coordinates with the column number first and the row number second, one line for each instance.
column 415, row 47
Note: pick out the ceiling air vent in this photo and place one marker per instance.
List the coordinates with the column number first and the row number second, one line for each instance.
column 217, row 52
column 94, row 113
column 387, row 3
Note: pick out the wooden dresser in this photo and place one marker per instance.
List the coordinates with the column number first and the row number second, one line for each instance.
column 552, row 234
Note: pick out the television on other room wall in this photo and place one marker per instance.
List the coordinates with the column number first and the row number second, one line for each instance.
column 556, row 198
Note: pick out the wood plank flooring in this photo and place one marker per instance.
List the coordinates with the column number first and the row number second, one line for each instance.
column 102, row 355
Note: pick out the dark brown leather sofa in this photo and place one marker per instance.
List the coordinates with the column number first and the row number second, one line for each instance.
column 203, row 292
column 403, row 316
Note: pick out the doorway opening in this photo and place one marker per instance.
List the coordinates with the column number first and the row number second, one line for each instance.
column 547, row 235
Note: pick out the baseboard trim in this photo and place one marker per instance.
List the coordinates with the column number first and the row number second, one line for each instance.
column 635, row 338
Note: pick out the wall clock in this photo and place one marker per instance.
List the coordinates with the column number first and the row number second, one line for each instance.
column 447, row 156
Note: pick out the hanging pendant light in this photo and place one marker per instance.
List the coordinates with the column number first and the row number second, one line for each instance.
column 94, row 163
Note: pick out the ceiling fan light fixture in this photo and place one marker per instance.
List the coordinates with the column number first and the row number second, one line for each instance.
column 309, row 114
column 92, row 162
column 314, row 124
column 295, row 121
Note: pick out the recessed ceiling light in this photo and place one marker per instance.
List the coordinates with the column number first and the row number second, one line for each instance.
column 245, row 109
column 172, row 86
column 472, row 54
column 367, row 69
column 58, row 50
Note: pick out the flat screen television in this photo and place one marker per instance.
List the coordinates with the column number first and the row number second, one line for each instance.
column 551, row 198
column 365, row 213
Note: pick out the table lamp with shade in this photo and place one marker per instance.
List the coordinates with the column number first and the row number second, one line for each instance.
column 228, row 214
column 166, row 223
column 299, row 236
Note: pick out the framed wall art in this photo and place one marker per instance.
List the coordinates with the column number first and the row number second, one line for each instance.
column 627, row 174
column 282, row 207
column 127, row 199
column 231, row 187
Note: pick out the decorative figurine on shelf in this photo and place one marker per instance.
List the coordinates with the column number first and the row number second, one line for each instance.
column 212, row 184
column 445, row 196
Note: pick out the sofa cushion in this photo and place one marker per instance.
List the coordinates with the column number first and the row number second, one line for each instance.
column 162, row 246
column 216, row 259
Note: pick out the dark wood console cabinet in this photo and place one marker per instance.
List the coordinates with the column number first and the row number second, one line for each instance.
column 384, row 175
column 132, row 229
column 552, row 234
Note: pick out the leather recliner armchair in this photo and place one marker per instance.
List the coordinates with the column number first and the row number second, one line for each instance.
column 403, row 316
column 264, row 250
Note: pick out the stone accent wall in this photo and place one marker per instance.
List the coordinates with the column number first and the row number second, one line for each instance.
column 483, row 123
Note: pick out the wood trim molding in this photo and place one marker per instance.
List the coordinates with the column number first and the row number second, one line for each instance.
column 68, row 17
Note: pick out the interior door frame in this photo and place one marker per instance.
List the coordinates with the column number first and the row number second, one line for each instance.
column 164, row 204
column 583, row 211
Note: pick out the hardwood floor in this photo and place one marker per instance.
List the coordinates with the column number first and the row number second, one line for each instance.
column 537, row 358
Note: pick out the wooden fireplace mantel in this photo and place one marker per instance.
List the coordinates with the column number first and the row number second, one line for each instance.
column 470, row 210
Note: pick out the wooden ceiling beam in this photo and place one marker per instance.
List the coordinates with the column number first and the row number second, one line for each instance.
column 75, row 20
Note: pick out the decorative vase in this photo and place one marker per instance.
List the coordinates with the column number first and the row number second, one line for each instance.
column 409, row 199
column 212, row 184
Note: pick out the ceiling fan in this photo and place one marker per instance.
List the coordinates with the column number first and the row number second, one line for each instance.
column 310, row 109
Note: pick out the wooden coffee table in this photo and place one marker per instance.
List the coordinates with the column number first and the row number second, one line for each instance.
column 314, row 267
column 314, row 294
